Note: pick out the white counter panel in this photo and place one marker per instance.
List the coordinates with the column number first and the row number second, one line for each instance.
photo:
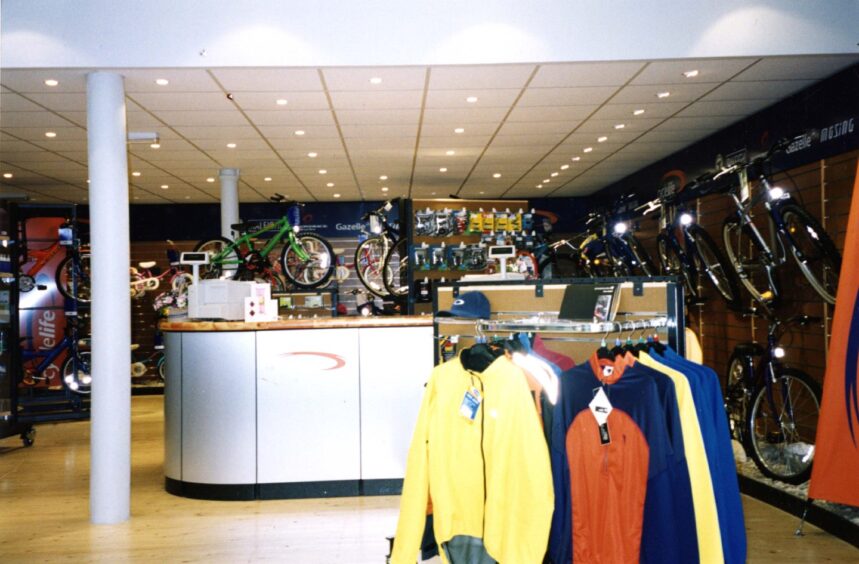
column 173, row 406
column 308, row 405
column 218, row 408
column 395, row 364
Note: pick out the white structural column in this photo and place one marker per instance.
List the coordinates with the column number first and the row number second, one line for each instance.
column 229, row 200
column 110, row 442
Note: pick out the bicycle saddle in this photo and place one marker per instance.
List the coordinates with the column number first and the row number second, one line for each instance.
column 241, row 227
column 749, row 349
column 147, row 264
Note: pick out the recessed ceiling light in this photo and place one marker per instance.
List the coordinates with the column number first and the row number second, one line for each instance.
column 384, row 188
column 546, row 181
column 588, row 149
column 162, row 81
column 137, row 197
column 691, row 73
column 330, row 185
column 51, row 82
column 231, row 145
column 576, row 159
column 336, row 195
column 383, row 177
column 620, row 126
column 7, row 175
column 539, row 185
column 281, row 101
column 210, row 179
column 376, row 80
column 554, row 174
column 155, row 146
column 299, row 132
column 87, row 180
column 450, row 153
column 602, row 139
column 471, row 99
column 432, row 193
column 665, row 94
column 164, row 186
column 565, row 166
column 187, row 197
column 443, row 169
column 459, row 130
column 312, row 154
column 135, row 173
column 267, row 179
column 638, row 112
column 323, row 171
column 50, row 134
column 482, row 192
column 496, row 175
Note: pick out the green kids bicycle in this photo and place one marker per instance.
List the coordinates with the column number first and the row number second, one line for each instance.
column 306, row 260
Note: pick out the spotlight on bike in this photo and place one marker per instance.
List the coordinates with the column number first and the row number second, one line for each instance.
column 686, row 219
column 779, row 352
column 620, row 228
column 776, row 193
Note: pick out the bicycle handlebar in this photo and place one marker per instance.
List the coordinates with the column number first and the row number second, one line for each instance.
column 281, row 199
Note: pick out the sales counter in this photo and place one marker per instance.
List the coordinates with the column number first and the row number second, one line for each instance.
column 292, row 408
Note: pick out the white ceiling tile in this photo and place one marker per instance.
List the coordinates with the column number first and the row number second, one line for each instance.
column 37, row 134
column 478, row 77
column 798, row 67
column 10, row 102
column 61, row 101
column 456, row 99
column 33, row 80
column 154, row 101
column 585, row 74
column 709, row 70
column 454, row 142
column 624, row 112
column 378, row 117
column 542, row 140
column 586, row 96
column 446, row 130
column 642, row 94
column 282, row 135
column 767, row 90
column 226, row 134
column 724, row 108
column 201, row 118
column 463, row 117
column 570, row 114
column 606, row 126
column 358, row 78
column 315, row 100
column 548, row 128
column 358, row 143
column 268, row 79
column 301, row 119
column 372, row 131
column 383, row 100
column 180, row 80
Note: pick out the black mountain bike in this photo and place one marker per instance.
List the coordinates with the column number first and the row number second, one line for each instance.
column 611, row 249
column 685, row 249
column 792, row 230
column 773, row 409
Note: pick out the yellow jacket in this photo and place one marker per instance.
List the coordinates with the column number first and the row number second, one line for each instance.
column 451, row 458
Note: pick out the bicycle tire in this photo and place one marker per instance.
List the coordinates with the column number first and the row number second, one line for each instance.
column 735, row 238
column 736, row 396
column 671, row 264
column 643, row 263
column 370, row 263
column 811, row 232
column 78, row 381
column 314, row 272
column 785, row 453
column 715, row 265
column 397, row 269
column 162, row 367
column 227, row 267
column 73, row 279
column 180, row 282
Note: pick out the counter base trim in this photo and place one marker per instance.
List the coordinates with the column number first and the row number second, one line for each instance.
column 288, row 490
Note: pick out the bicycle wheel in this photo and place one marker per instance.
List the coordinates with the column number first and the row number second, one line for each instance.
column 781, row 431
column 814, row 251
column 736, row 395
column 642, row 263
column 226, row 266
column 715, row 265
column 162, row 366
column 397, row 269
column 314, row 272
column 77, row 375
column 73, row 278
column 671, row 263
column 180, row 282
column 746, row 257
column 370, row 262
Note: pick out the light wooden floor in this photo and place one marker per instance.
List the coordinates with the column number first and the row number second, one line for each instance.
column 45, row 505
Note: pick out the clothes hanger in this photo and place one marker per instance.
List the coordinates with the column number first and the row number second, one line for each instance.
column 603, row 351
column 630, row 346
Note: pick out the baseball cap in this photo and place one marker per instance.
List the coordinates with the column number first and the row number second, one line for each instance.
column 473, row 305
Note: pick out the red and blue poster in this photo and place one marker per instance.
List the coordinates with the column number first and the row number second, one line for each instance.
column 835, row 476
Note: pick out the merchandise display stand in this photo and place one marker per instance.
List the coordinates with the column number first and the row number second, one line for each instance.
column 310, row 303
column 646, row 305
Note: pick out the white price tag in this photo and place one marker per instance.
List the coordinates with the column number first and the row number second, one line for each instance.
column 600, row 406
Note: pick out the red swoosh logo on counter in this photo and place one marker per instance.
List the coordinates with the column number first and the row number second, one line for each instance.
column 339, row 362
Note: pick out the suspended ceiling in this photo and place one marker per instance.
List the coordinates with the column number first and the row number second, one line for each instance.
column 535, row 130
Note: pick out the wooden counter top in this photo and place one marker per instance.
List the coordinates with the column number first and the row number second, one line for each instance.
column 184, row 324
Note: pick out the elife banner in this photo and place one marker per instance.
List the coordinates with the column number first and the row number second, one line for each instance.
column 835, row 476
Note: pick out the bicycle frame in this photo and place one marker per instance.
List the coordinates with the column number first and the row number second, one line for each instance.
column 50, row 355
column 283, row 229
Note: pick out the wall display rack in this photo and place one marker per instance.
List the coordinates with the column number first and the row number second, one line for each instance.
column 645, row 306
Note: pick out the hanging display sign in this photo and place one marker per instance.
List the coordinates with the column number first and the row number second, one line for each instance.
column 835, row 475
